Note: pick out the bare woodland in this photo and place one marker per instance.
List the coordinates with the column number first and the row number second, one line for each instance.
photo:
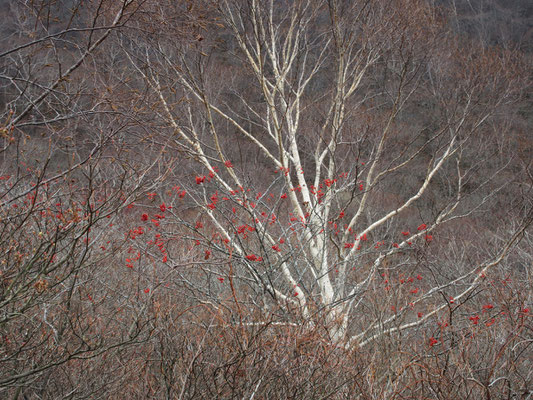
column 266, row 199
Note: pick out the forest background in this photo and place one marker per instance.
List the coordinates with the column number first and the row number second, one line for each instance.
column 266, row 199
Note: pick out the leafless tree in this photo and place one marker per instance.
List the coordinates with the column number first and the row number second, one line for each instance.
column 328, row 103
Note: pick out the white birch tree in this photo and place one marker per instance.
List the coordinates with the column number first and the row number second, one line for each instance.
column 364, row 124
